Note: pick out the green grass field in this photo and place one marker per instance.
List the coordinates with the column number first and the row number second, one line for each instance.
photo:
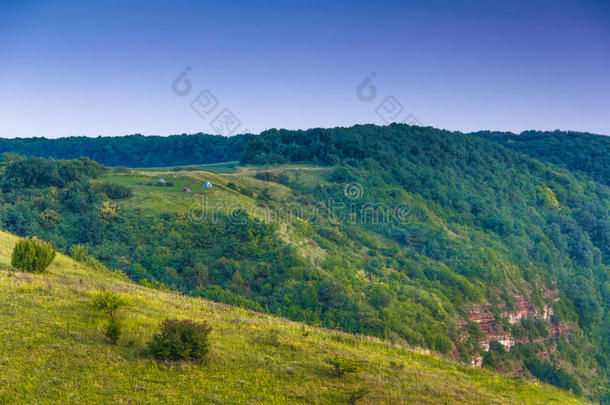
column 53, row 350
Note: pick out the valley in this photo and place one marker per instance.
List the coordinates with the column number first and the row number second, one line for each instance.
column 411, row 235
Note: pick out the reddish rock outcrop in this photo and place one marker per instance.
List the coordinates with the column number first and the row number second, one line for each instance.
column 483, row 316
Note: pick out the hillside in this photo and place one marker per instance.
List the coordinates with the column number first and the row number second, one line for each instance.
column 576, row 151
column 486, row 213
column 54, row 350
column 415, row 235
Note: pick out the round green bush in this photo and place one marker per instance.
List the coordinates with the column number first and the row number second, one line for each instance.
column 32, row 255
column 180, row 340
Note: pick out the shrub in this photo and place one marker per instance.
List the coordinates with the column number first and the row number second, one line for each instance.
column 113, row 191
column 343, row 365
column 108, row 301
column 79, row 252
column 247, row 192
column 32, row 255
column 114, row 328
column 153, row 284
column 94, row 263
column 180, row 340
column 270, row 338
column 121, row 169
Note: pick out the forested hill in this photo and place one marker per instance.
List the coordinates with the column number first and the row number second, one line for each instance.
column 576, row 151
column 421, row 236
column 522, row 212
column 134, row 150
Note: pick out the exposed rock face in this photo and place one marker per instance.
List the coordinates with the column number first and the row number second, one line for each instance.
column 522, row 310
column 483, row 316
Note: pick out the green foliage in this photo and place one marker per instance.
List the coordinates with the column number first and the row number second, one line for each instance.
column 548, row 198
column 37, row 172
column 577, row 151
column 342, row 365
column 108, row 301
column 495, row 356
column 32, row 255
column 154, row 284
column 112, row 191
column 80, row 253
column 556, row 376
column 281, row 178
column 135, row 150
column 341, row 174
column 181, row 340
column 270, row 337
column 114, row 328
column 121, row 169
column 530, row 328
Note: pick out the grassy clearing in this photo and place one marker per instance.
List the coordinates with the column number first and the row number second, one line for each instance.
column 229, row 192
column 149, row 195
column 54, row 350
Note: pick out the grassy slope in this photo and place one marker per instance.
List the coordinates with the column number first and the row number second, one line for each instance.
column 158, row 199
column 221, row 199
column 54, row 350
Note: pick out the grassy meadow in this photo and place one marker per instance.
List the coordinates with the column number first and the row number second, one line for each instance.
column 53, row 349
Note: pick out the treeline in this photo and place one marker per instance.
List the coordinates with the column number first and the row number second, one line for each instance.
column 576, row 151
column 134, row 150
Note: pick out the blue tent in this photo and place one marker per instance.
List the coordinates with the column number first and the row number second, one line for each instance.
column 160, row 180
column 207, row 184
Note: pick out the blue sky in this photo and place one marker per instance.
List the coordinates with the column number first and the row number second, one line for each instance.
column 78, row 68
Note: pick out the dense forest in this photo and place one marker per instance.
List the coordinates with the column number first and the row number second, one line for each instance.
column 576, row 151
column 480, row 190
column 133, row 150
column 439, row 223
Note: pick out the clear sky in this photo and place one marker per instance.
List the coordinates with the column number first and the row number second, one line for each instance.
column 81, row 68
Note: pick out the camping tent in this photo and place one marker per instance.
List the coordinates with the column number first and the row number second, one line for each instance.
column 160, row 180
column 186, row 190
column 207, row 184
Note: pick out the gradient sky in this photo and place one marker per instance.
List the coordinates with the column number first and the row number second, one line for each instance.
column 73, row 68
